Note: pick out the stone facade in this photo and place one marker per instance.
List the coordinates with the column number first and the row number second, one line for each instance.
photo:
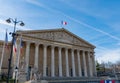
column 56, row 53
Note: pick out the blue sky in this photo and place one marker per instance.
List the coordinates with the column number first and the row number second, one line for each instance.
column 96, row 21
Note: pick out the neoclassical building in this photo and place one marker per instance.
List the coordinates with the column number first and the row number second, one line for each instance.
column 56, row 53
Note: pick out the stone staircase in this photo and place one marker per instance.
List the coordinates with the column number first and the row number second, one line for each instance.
column 22, row 79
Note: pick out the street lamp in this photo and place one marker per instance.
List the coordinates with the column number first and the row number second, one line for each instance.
column 13, row 38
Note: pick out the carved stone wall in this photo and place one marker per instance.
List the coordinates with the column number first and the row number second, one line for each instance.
column 60, row 36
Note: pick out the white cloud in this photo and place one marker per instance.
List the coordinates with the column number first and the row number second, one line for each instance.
column 111, row 55
column 5, row 23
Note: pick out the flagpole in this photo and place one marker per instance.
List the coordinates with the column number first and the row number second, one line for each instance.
column 16, row 61
column 3, row 50
column 63, row 23
column 17, row 56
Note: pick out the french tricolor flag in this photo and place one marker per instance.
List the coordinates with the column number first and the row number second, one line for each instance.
column 21, row 45
column 14, row 46
column 63, row 22
column 107, row 81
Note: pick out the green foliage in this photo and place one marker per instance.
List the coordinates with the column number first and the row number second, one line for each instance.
column 97, row 66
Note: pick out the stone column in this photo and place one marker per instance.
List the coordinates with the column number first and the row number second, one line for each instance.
column 44, row 60
column 94, row 66
column 67, row 63
column 36, row 55
column 73, row 63
column 60, row 62
column 27, row 55
column 52, row 62
column 79, row 63
column 90, row 65
column 18, row 53
column 84, row 64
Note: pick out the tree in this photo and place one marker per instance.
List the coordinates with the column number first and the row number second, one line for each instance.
column 97, row 66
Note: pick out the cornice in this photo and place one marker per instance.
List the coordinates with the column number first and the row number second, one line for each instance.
column 55, row 30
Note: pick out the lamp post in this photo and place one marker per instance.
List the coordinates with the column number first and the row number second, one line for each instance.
column 14, row 21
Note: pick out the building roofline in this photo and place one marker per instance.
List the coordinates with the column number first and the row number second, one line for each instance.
column 57, row 29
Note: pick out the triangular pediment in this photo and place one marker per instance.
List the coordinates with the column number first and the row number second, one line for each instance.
column 58, row 35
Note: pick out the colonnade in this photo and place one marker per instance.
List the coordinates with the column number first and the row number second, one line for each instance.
column 84, row 59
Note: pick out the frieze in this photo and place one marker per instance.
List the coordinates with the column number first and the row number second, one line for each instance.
column 45, row 35
column 60, row 36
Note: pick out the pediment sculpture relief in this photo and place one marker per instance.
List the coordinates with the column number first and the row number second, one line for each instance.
column 59, row 36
